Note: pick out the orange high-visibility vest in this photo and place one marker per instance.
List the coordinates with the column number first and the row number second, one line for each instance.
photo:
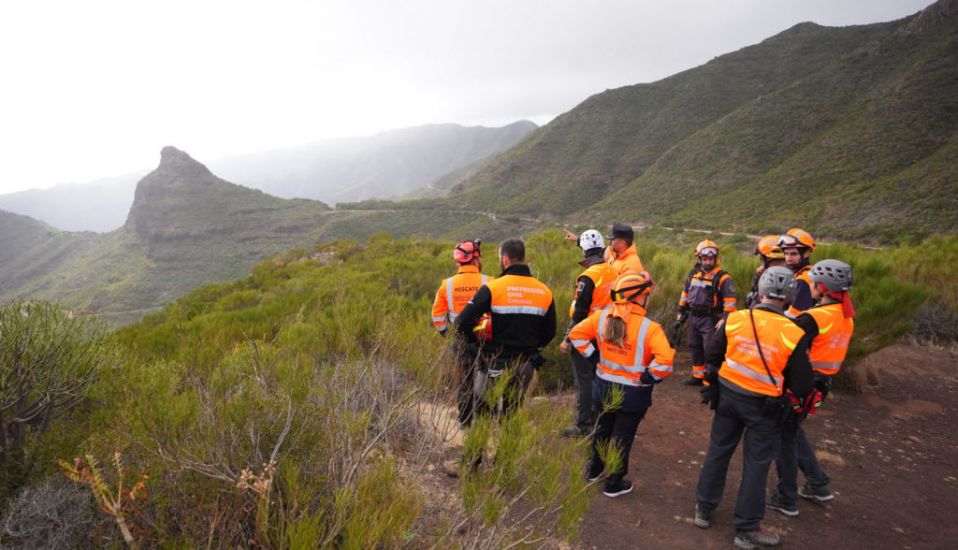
column 743, row 366
column 800, row 275
column 627, row 262
column 518, row 294
column 645, row 347
column 829, row 348
column 454, row 293
column 603, row 276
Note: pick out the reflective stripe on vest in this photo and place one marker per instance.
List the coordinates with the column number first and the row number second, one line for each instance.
column 615, row 372
column 529, row 310
column 829, row 348
column 589, row 350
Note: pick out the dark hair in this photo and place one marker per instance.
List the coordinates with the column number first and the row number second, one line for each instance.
column 514, row 249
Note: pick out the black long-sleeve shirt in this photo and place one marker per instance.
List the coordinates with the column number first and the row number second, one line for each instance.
column 798, row 370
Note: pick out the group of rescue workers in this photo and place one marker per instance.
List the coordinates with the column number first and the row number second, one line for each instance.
column 763, row 369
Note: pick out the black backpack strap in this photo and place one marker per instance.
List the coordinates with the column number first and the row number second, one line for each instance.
column 758, row 344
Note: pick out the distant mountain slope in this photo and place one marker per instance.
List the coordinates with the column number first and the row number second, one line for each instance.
column 385, row 165
column 100, row 205
column 847, row 131
column 30, row 249
column 187, row 228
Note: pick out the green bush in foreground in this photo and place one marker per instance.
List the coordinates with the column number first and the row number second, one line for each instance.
column 304, row 405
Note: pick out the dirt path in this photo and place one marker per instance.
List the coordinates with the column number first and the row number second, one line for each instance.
column 892, row 453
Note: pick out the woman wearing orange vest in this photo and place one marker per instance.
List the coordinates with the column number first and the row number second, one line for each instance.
column 453, row 295
column 829, row 325
column 632, row 354
column 592, row 293
column 762, row 354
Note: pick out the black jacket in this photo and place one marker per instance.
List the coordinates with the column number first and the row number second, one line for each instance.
column 513, row 334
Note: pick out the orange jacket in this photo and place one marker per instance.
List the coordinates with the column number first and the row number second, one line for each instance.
column 830, row 346
column 454, row 293
column 603, row 277
column 644, row 350
column 626, row 262
column 743, row 365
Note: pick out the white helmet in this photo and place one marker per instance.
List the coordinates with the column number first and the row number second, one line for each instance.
column 591, row 239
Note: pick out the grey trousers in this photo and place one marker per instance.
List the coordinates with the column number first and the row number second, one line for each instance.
column 797, row 454
column 701, row 330
column 583, row 373
column 518, row 378
column 738, row 414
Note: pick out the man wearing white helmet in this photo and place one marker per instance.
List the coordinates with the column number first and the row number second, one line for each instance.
column 592, row 293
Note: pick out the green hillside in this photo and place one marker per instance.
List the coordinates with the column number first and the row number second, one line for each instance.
column 862, row 118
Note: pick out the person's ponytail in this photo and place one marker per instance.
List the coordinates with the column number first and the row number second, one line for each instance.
column 615, row 330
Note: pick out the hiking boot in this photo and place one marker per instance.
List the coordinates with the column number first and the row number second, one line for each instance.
column 593, row 471
column 693, row 381
column 616, row 486
column 575, row 431
column 702, row 519
column 746, row 540
column 811, row 492
column 777, row 503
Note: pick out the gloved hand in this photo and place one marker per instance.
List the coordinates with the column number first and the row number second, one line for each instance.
column 537, row 361
column 442, row 332
column 710, row 391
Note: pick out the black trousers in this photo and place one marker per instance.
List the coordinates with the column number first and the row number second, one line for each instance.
column 583, row 371
column 737, row 414
column 618, row 426
column 466, row 363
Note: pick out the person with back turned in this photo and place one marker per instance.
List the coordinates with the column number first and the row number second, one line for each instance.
column 762, row 354
column 523, row 317
column 631, row 355
column 451, row 298
column 829, row 325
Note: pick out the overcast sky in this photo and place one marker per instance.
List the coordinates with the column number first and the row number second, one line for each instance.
column 93, row 89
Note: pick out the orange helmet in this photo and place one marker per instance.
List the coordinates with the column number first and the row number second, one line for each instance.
column 797, row 238
column 706, row 248
column 631, row 286
column 768, row 246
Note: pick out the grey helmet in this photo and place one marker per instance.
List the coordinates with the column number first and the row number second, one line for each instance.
column 777, row 283
column 835, row 275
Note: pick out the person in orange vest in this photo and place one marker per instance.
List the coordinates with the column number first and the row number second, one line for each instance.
column 631, row 355
column 451, row 298
column 797, row 245
column 709, row 296
column 762, row 354
column 592, row 293
column 770, row 255
column 622, row 254
column 830, row 325
column 523, row 319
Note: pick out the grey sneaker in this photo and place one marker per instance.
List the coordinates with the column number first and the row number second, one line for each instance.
column 777, row 503
column 811, row 492
column 747, row 540
column 702, row 519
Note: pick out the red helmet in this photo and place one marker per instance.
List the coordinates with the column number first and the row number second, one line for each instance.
column 466, row 251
